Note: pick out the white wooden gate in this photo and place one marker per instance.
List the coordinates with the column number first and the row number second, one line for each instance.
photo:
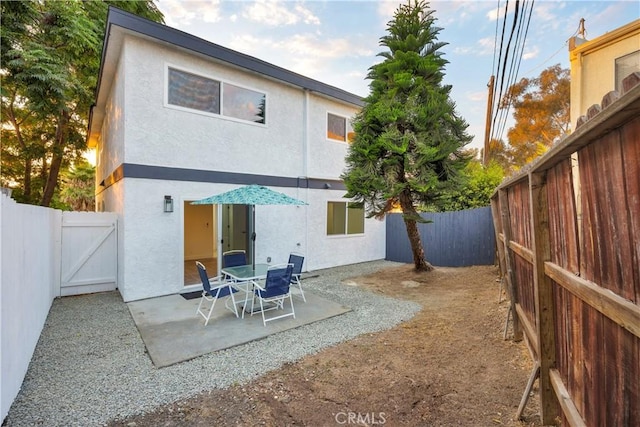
column 89, row 259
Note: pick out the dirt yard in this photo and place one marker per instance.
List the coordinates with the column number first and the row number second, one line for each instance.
column 448, row 366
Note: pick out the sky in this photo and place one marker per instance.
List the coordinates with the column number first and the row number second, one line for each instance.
column 336, row 42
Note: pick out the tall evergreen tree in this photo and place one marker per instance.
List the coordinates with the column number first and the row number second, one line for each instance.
column 50, row 60
column 408, row 146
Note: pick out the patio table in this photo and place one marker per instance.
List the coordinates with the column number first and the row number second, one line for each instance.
column 243, row 275
column 246, row 273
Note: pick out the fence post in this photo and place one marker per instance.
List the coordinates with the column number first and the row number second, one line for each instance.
column 543, row 294
column 513, row 292
column 497, row 227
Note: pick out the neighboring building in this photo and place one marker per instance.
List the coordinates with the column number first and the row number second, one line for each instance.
column 181, row 117
column 598, row 66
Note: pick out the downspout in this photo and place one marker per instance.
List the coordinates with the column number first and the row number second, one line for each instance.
column 305, row 134
column 305, row 165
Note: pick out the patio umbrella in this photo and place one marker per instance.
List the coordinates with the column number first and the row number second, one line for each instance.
column 251, row 195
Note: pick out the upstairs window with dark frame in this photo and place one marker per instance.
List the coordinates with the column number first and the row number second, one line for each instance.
column 343, row 219
column 339, row 128
column 188, row 90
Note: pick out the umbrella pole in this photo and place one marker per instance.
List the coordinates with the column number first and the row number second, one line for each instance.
column 253, row 236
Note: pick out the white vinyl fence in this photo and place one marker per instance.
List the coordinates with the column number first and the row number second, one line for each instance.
column 31, row 255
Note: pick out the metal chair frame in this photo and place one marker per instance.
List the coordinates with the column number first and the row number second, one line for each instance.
column 213, row 289
column 276, row 289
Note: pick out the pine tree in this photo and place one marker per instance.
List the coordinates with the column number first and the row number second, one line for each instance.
column 408, row 145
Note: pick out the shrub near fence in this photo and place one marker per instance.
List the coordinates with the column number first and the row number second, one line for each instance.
column 569, row 231
column 453, row 239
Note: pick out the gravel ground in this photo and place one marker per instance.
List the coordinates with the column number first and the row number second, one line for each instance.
column 90, row 365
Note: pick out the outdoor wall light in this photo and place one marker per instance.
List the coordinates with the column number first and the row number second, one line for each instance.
column 168, row 204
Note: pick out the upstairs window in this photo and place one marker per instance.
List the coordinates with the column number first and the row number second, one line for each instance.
column 339, row 128
column 343, row 219
column 195, row 92
column 626, row 65
column 188, row 90
column 243, row 104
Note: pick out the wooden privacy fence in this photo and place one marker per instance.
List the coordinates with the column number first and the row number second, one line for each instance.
column 569, row 247
column 453, row 239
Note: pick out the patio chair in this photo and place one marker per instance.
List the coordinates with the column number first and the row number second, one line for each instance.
column 234, row 258
column 274, row 291
column 297, row 260
column 212, row 290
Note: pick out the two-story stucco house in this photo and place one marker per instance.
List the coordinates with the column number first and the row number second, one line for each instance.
column 178, row 118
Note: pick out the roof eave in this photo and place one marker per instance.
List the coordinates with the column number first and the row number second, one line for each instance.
column 162, row 33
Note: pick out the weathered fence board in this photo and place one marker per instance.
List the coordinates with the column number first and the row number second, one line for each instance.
column 572, row 243
column 453, row 239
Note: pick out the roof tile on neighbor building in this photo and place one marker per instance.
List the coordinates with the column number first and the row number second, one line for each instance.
column 629, row 82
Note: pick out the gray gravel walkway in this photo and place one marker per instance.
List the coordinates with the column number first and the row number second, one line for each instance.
column 91, row 366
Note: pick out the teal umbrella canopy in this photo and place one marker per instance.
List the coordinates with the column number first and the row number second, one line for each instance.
column 250, row 195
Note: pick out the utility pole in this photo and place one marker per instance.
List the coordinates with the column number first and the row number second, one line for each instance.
column 487, row 129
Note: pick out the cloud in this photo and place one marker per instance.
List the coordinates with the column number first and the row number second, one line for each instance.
column 307, row 16
column 456, row 13
column 446, row 12
column 531, row 53
column 599, row 23
column 302, row 45
column 482, row 47
column 386, row 9
column 310, row 55
column 546, row 13
column 276, row 14
column 477, row 96
column 178, row 13
column 497, row 13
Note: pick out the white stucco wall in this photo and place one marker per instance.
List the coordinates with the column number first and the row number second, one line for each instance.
column 153, row 241
column 330, row 251
column 110, row 150
column 165, row 136
column 326, row 156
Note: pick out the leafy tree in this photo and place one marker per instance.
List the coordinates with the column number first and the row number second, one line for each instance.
column 78, row 187
column 541, row 108
column 50, row 61
column 480, row 183
column 408, row 145
column 500, row 153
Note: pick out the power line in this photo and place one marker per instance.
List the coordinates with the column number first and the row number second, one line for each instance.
column 501, row 75
column 511, row 55
column 559, row 49
column 497, row 70
column 519, row 61
column 495, row 40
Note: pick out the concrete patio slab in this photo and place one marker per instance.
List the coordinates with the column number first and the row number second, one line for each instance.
column 173, row 332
